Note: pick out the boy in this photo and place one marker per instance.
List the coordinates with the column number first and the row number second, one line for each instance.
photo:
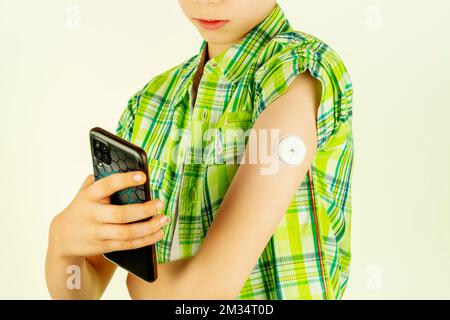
column 242, row 225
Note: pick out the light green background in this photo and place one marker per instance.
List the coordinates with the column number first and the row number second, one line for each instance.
column 57, row 82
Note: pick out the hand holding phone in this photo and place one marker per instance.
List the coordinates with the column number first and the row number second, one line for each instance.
column 92, row 226
column 111, row 155
column 101, row 221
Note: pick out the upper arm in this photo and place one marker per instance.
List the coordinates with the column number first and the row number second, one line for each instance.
column 260, row 192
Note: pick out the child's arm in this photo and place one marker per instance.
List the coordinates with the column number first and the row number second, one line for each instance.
column 94, row 275
column 91, row 226
column 249, row 213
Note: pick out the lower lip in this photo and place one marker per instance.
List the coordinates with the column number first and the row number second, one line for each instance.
column 211, row 24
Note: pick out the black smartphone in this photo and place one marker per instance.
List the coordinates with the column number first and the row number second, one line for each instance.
column 112, row 154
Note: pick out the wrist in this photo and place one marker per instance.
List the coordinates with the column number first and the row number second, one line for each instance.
column 55, row 247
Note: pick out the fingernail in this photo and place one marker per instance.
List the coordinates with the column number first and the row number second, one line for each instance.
column 159, row 205
column 164, row 220
column 137, row 177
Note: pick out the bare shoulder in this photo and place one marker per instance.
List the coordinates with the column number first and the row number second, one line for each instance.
column 305, row 84
column 302, row 97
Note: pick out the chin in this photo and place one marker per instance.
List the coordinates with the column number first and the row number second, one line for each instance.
column 219, row 38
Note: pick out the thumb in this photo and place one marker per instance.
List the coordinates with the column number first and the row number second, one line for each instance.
column 90, row 179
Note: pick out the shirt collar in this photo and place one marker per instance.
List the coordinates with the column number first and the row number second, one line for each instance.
column 234, row 62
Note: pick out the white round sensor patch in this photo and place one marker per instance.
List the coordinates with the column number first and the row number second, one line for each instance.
column 291, row 150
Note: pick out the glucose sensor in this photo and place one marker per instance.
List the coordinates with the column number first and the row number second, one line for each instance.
column 291, row 150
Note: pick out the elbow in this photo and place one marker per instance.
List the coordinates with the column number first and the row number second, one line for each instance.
column 230, row 295
column 201, row 282
column 215, row 292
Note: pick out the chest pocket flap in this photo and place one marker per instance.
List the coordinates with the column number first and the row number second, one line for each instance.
column 228, row 144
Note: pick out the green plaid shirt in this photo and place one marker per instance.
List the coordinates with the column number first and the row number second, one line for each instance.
column 191, row 162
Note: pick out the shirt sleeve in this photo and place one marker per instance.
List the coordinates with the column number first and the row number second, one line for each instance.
column 274, row 77
column 125, row 125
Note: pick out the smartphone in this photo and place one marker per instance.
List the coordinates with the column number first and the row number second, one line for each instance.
column 112, row 154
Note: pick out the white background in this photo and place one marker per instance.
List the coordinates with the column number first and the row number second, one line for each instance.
column 57, row 80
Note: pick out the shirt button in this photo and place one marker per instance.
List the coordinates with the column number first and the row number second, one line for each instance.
column 205, row 114
column 193, row 193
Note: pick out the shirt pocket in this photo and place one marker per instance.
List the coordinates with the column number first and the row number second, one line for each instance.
column 233, row 136
column 223, row 162
column 159, row 179
column 227, row 140
column 238, row 116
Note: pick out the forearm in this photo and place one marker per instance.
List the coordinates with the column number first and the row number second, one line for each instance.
column 71, row 278
column 189, row 278
column 209, row 279
column 174, row 282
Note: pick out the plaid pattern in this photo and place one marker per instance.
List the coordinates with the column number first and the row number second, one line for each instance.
column 308, row 256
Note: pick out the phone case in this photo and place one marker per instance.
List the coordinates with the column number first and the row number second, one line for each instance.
column 123, row 157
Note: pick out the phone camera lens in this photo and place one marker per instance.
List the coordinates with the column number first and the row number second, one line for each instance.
column 104, row 148
column 105, row 158
column 98, row 153
column 97, row 144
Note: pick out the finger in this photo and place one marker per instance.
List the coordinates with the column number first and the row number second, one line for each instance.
column 107, row 186
column 133, row 230
column 127, row 213
column 89, row 180
column 114, row 245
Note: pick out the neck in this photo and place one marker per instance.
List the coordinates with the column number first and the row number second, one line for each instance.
column 215, row 49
